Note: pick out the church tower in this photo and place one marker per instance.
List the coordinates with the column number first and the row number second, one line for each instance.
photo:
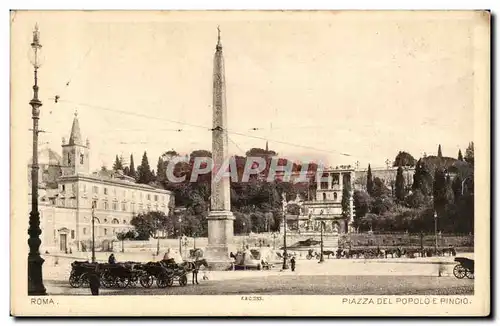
column 75, row 154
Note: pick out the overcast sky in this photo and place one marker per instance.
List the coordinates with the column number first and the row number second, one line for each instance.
column 362, row 84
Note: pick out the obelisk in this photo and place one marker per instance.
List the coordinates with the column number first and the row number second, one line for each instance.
column 220, row 218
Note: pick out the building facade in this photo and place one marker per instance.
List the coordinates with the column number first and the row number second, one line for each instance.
column 326, row 205
column 66, row 211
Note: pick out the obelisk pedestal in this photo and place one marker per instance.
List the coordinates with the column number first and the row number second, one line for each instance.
column 220, row 219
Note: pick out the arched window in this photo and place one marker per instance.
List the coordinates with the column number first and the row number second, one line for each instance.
column 124, row 222
column 324, row 196
column 105, row 220
column 334, row 196
column 115, row 221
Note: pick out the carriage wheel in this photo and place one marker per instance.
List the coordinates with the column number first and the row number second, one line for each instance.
column 161, row 281
column 132, row 281
column 84, row 280
column 122, row 281
column 108, row 281
column 183, row 280
column 146, row 281
column 74, row 281
column 469, row 274
column 459, row 271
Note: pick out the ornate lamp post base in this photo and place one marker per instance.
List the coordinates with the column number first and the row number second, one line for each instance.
column 35, row 281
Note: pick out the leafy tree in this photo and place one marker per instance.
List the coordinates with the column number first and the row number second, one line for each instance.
column 400, row 185
column 456, row 187
column 469, row 153
column 362, row 205
column 369, row 181
column 148, row 224
column 144, row 174
column 440, row 153
column 460, row 157
column 132, row 167
column 379, row 188
column 118, row 165
column 404, row 159
column 346, row 195
column 441, row 191
column 382, row 205
column 422, row 179
column 416, row 199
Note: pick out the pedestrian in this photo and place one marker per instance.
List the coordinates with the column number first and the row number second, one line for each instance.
column 112, row 259
column 94, row 280
column 292, row 262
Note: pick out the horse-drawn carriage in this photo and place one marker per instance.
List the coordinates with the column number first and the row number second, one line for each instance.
column 129, row 274
column 465, row 267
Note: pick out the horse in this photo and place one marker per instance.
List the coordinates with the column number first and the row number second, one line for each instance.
column 194, row 267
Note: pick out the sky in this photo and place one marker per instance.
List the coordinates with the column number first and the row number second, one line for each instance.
column 336, row 87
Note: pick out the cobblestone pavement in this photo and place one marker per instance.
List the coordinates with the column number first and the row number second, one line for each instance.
column 301, row 284
column 334, row 276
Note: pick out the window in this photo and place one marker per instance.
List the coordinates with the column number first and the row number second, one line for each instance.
column 156, row 197
column 124, row 207
column 84, row 230
column 94, row 204
column 95, row 189
column 132, row 207
column 149, row 197
column 124, row 222
column 105, row 231
column 63, row 187
column 72, row 234
column 62, row 202
column 115, row 206
column 115, row 221
column 105, row 220
column 324, row 196
column 334, row 196
column 69, row 159
column 106, row 207
column 105, row 191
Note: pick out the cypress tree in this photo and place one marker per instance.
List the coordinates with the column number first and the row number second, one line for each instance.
column 144, row 174
column 440, row 153
column 460, row 157
column 369, row 181
column 118, row 165
column 346, row 194
column 400, row 185
column 132, row 167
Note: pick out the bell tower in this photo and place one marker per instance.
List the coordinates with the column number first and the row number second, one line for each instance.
column 75, row 154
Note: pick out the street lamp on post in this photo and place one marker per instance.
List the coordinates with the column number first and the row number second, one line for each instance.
column 93, row 232
column 35, row 261
column 321, row 258
column 180, row 236
column 435, row 232
column 285, row 254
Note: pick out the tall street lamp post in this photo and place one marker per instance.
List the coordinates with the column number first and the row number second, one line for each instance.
column 180, row 236
column 435, row 233
column 321, row 258
column 285, row 254
column 93, row 232
column 35, row 261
